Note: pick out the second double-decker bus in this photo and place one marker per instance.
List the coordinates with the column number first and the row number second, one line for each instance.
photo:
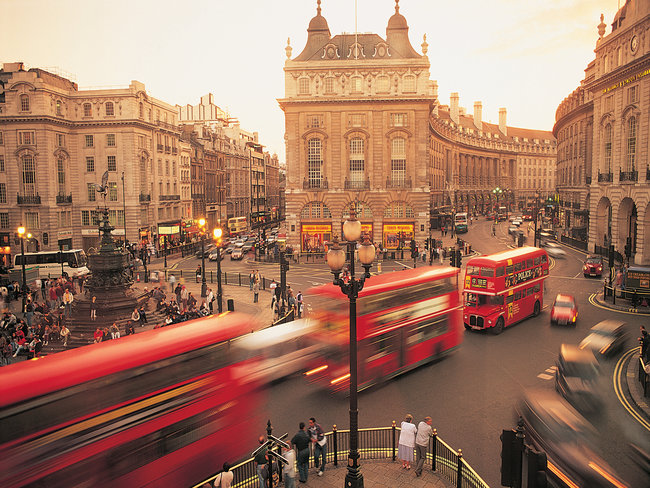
column 504, row 288
column 404, row 319
column 237, row 225
column 460, row 222
column 164, row 407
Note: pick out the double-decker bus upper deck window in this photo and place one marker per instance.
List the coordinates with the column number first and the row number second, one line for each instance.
column 510, row 269
column 544, row 258
column 409, row 294
column 510, row 298
column 381, row 345
column 487, row 272
column 427, row 330
column 499, row 271
column 519, row 266
column 472, row 270
column 537, row 260
column 529, row 263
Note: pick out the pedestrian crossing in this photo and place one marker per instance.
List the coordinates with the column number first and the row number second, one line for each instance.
column 548, row 374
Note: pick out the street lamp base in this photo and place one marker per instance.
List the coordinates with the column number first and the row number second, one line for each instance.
column 353, row 478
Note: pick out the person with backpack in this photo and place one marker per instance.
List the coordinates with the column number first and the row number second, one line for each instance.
column 319, row 441
column 225, row 478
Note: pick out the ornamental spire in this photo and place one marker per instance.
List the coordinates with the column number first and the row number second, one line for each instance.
column 318, row 7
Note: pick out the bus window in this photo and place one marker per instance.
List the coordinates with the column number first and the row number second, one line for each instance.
column 490, row 300
column 471, row 299
column 529, row 263
column 543, row 258
column 510, row 299
column 380, row 346
column 487, row 272
column 499, row 271
column 536, row 288
column 530, row 291
column 537, row 261
column 517, row 295
column 473, row 270
column 519, row 266
column 428, row 330
column 509, row 269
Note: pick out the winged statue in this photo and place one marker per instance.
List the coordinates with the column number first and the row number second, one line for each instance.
column 103, row 188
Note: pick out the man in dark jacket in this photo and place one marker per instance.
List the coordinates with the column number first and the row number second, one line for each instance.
column 301, row 441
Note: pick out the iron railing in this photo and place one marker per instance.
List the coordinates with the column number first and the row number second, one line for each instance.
column 29, row 199
column 605, row 177
column 169, row 197
column 315, row 184
column 145, row 197
column 628, row 176
column 398, row 182
column 376, row 443
column 60, row 198
column 357, row 184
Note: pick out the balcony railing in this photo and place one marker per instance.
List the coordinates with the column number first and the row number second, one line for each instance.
column 398, row 182
column 605, row 177
column 167, row 126
column 198, row 196
column 315, row 184
column 60, row 198
column 160, row 147
column 357, row 184
column 174, row 150
column 575, row 205
column 168, row 149
column 169, row 197
column 145, row 197
column 628, row 176
column 29, row 199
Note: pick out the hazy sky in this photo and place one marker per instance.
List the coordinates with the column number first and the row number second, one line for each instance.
column 523, row 55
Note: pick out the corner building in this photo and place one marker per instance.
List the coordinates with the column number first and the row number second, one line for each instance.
column 357, row 130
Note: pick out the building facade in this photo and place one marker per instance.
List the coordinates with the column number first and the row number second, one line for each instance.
column 608, row 114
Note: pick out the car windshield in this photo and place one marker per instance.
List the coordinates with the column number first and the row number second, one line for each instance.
column 563, row 304
column 593, row 260
column 581, row 369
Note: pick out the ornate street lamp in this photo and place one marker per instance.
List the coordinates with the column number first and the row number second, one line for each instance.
column 336, row 260
column 218, row 233
column 21, row 234
column 204, row 287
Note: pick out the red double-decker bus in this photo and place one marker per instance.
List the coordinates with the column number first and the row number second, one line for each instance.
column 162, row 408
column 504, row 288
column 404, row 319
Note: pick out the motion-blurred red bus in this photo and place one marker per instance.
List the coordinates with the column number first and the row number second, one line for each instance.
column 404, row 319
column 504, row 288
column 164, row 407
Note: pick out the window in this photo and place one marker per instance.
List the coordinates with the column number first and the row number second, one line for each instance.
column 141, row 112
column 357, row 120
column 409, row 83
column 631, row 143
column 329, row 84
column 2, row 140
column 112, row 191
column 89, row 141
column 315, row 210
column 167, row 167
column 315, row 162
column 160, row 167
column 398, row 210
column 110, row 140
column 356, row 84
column 60, row 175
column 3, row 193
column 110, row 110
column 141, row 141
column 633, row 94
column 608, row 148
column 116, row 217
column 314, row 121
column 4, row 220
column 65, row 218
column 383, row 84
column 32, row 221
column 92, row 194
column 24, row 103
column 29, row 176
column 58, row 107
column 2, row 163
column 303, row 86
column 398, row 161
column 112, row 164
column 85, row 218
column 398, row 120
column 26, row 138
column 356, row 160
column 60, row 140
column 90, row 164
column 88, row 110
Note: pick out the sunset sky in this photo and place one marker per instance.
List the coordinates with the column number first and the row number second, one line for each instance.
column 525, row 56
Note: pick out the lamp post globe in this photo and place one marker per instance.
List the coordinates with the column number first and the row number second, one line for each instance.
column 217, row 234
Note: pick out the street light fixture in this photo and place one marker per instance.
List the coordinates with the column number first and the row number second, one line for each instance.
column 218, row 233
column 21, row 234
column 336, row 260
column 204, row 288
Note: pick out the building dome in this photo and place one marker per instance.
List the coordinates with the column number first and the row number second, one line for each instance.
column 397, row 21
column 318, row 23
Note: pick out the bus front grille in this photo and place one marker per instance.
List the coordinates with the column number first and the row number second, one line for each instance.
column 476, row 320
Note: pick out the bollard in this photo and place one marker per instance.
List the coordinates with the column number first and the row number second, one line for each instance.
column 459, row 476
column 434, row 449
column 614, row 295
column 239, row 279
column 225, row 278
column 211, row 280
column 231, row 305
column 335, row 441
column 394, row 432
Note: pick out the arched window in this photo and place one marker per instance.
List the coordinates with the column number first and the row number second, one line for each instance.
column 60, row 175
column 110, row 110
column 409, row 83
column 141, row 110
column 357, row 161
column 58, row 107
column 24, row 103
column 303, row 86
column 631, row 143
column 398, row 163
column 608, row 148
column 356, row 84
column 383, row 84
column 88, row 110
column 29, row 176
column 315, row 162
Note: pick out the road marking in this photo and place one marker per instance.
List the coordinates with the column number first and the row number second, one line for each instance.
column 545, row 376
column 618, row 389
column 402, row 264
column 592, row 300
column 578, row 275
column 315, row 283
column 552, row 369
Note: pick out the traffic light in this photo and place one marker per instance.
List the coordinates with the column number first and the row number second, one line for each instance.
column 459, row 259
column 611, row 256
column 508, row 457
column 537, row 469
column 426, row 244
column 452, row 259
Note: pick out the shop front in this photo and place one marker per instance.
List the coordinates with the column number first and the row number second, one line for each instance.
column 397, row 236
column 313, row 237
column 145, row 235
column 169, row 232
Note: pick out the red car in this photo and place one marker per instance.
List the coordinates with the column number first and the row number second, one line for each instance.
column 593, row 265
column 564, row 311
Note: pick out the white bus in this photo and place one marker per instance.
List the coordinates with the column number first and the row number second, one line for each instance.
column 460, row 222
column 237, row 225
column 49, row 264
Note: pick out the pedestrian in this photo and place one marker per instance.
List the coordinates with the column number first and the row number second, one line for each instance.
column 299, row 303
column 319, row 441
column 93, row 308
column 67, row 302
column 289, row 469
column 260, row 461
column 185, row 294
column 644, row 342
column 172, row 281
column 129, row 330
column 143, row 315
column 251, row 280
column 273, row 286
column 210, row 299
column 29, row 312
column 256, row 291
column 191, row 302
column 177, row 292
column 198, row 273
column 301, row 441
column 225, row 478
column 135, row 317
column 98, row 335
column 65, row 333
column 422, row 443
column 407, row 441
column 115, row 332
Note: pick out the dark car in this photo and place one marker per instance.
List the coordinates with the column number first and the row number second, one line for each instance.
column 593, row 265
column 606, row 338
column 568, row 438
column 208, row 250
column 564, row 311
column 577, row 377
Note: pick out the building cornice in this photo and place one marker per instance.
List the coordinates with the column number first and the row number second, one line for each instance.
column 585, row 108
column 283, row 102
column 619, row 74
column 51, row 120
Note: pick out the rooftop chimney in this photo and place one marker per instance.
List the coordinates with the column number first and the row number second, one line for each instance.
column 502, row 121
column 478, row 115
column 453, row 107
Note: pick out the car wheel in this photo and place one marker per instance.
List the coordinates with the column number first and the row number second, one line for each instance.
column 498, row 327
column 536, row 309
column 586, row 275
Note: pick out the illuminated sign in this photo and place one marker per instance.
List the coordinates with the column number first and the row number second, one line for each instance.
column 316, row 228
column 398, row 228
column 627, row 81
column 523, row 276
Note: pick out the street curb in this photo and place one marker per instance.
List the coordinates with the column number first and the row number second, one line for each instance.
column 617, row 308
